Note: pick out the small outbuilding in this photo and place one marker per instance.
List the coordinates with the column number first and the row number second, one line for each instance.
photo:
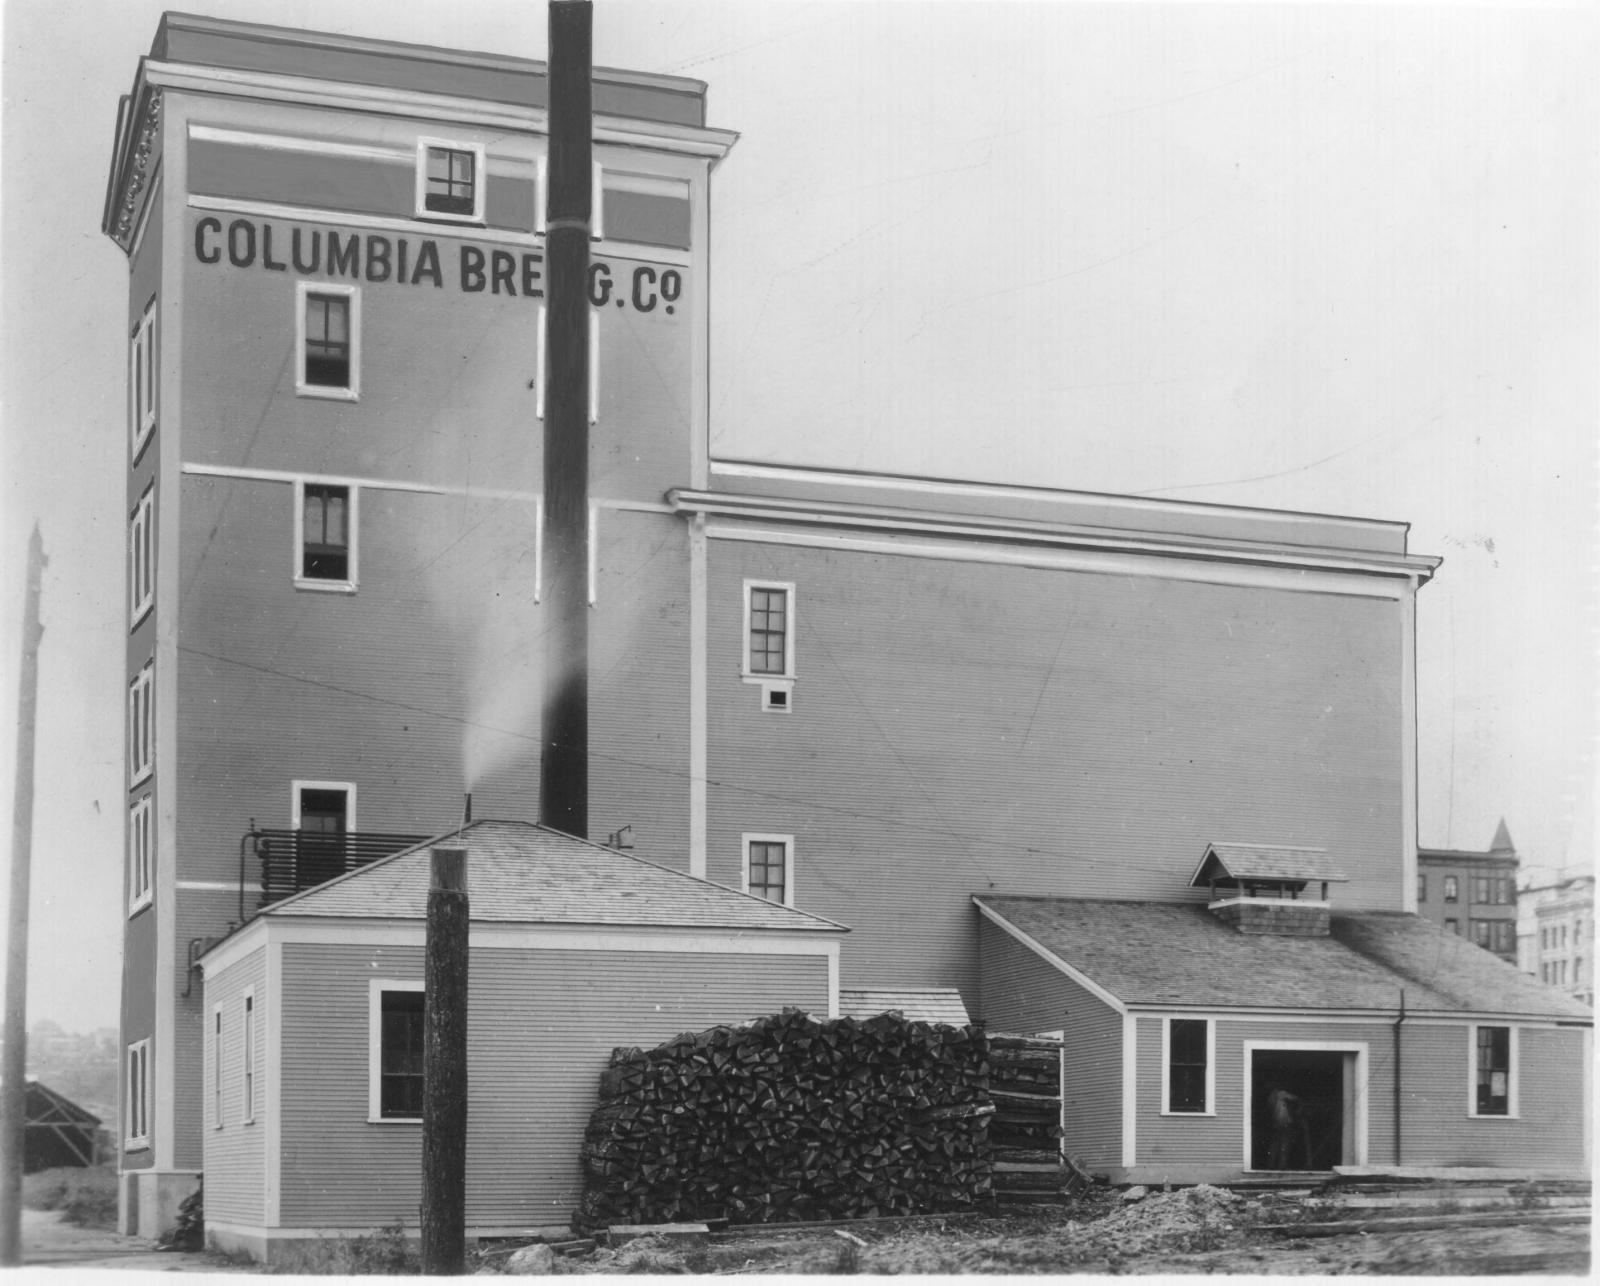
column 313, row 1052
column 57, row 1132
column 1265, row 1034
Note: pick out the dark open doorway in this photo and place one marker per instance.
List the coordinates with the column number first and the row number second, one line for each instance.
column 1298, row 1109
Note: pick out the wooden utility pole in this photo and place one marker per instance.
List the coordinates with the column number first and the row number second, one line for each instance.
column 444, row 1068
column 564, row 769
column 13, row 1071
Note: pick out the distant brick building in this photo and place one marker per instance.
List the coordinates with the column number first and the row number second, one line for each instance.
column 1556, row 942
column 1473, row 894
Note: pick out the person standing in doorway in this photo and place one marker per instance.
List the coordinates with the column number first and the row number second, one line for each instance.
column 1286, row 1114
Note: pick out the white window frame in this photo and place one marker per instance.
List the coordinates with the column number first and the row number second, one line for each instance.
column 141, row 867
column 143, row 377
column 1166, row 1066
column 141, row 721
column 771, row 685
column 298, row 785
column 352, row 522
column 1513, row 1110
column 480, row 181
column 136, row 1088
column 142, row 558
column 375, row 989
column 217, row 1114
column 762, row 837
column 302, row 291
column 247, row 1055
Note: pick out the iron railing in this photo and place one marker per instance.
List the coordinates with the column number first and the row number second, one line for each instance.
column 291, row 861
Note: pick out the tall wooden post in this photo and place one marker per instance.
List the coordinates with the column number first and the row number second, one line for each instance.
column 564, row 770
column 13, row 1070
column 444, row 1068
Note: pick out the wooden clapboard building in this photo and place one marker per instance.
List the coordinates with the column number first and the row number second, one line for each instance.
column 868, row 699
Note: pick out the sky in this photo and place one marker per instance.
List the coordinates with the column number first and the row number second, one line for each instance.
column 1331, row 258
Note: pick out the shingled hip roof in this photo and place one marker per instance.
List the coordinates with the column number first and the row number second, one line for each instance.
column 1152, row 954
column 521, row 873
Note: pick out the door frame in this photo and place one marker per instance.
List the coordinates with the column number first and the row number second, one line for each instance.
column 1355, row 1081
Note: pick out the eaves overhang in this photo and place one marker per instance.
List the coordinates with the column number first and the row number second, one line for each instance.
column 758, row 509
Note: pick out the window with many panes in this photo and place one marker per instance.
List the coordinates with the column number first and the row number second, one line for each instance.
column 142, row 558
column 142, row 379
column 450, row 180
column 328, row 341
column 769, row 629
column 1492, row 1088
column 141, row 729
column 140, row 864
column 395, row 1015
column 326, row 522
column 769, row 867
column 137, row 1103
column 1188, row 1064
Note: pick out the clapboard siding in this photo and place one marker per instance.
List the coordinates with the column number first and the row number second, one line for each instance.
column 961, row 727
column 1023, row 993
column 1437, row 1129
column 543, row 1024
column 200, row 913
column 235, row 1151
column 1218, row 1139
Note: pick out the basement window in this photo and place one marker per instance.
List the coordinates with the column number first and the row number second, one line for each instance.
column 450, row 180
column 328, row 341
column 1494, row 1069
column 394, row 1078
column 325, row 536
column 1187, row 1066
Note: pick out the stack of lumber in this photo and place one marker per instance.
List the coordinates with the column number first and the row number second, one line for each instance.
column 1025, row 1084
column 789, row 1118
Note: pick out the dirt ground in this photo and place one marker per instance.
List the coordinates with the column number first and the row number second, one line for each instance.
column 1199, row 1230
column 49, row 1241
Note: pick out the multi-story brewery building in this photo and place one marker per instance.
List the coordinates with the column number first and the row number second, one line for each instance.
column 875, row 699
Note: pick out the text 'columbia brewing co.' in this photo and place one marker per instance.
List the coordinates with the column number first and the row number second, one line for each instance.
column 406, row 261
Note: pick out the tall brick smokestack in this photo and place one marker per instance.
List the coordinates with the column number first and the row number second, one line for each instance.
column 564, row 769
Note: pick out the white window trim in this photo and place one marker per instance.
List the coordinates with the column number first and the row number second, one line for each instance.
column 480, row 181
column 352, row 522
column 141, row 729
column 349, row 788
column 1211, row 1068
column 761, row 837
column 141, row 557
column 142, row 414
column 1513, row 1110
column 771, row 682
column 1247, row 1084
column 141, row 868
column 375, row 989
column 302, row 290
column 217, row 1114
column 247, row 1055
column 136, row 1088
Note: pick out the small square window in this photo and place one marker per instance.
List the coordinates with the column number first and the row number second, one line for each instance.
column 450, row 180
column 325, row 536
column 328, row 341
column 768, row 868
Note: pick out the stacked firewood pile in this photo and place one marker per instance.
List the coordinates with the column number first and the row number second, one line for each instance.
column 789, row 1118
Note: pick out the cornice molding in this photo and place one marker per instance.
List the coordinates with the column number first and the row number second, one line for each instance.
column 136, row 176
column 831, row 513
